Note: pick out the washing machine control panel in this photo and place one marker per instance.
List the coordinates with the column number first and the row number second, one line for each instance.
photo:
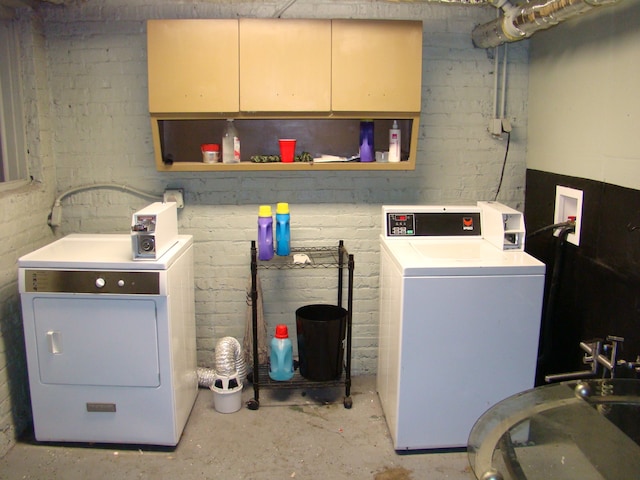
column 444, row 222
column 401, row 225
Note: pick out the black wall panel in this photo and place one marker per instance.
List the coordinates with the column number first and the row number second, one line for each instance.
column 598, row 292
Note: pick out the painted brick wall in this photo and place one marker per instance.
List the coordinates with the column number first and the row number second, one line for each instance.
column 98, row 85
column 23, row 214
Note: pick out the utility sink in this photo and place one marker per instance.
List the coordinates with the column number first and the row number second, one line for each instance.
column 586, row 429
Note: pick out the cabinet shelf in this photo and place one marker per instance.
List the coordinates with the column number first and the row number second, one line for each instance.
column 282, row 167
column 319, row 257
column 177, row 142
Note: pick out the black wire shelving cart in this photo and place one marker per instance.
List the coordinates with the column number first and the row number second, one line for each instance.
column 318, row 257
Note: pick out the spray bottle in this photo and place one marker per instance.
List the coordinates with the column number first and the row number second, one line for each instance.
column 394, row 143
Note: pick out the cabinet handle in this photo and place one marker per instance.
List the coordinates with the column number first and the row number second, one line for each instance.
column 55, row 342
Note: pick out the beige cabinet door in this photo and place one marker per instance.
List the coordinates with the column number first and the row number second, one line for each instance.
column 193, row 66
column 285, row 65
column 376, row 66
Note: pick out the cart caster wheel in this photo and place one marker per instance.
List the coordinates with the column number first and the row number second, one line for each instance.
column 253, row 404
column 348, row 403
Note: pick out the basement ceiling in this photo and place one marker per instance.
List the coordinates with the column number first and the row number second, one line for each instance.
column 33, row 3
column 7, row 7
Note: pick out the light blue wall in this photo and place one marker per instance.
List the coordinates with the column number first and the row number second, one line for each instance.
column 584, row 100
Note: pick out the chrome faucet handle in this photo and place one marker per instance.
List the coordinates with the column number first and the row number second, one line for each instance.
column 615, row 343
column 591, row 349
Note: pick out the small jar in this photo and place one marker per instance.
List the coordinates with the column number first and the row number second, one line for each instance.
column 210, row 152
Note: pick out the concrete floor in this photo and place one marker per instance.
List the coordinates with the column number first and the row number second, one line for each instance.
column 292, row 435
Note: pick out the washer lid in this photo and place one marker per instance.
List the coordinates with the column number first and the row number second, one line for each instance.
column 473, row 256
column 99, row 251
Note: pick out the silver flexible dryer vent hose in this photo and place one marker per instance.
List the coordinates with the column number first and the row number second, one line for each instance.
column 229, row 362
column 229, row 359
column 206, row 377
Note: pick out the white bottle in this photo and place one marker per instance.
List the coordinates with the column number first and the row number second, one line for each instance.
column 230, row 144
column 394, row 143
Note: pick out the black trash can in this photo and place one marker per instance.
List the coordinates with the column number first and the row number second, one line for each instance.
column 321, row 331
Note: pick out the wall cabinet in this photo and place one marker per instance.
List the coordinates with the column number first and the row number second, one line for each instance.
column 312, row 74
column 193, row 66
column 376, row 66
column 285, row 65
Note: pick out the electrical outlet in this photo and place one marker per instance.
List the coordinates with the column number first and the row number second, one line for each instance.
column 174, row 195
column 568, row 204
column 498, row 126
column 495, row 126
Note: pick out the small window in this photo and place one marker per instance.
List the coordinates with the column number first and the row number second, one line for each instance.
column 13, row 158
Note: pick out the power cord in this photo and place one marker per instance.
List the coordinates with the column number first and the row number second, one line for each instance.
column 504, row 164
column 568, row 223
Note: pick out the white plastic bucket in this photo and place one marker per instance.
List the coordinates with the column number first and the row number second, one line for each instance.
column 227, row 394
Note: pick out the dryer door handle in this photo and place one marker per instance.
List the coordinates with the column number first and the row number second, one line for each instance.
column 54, row 338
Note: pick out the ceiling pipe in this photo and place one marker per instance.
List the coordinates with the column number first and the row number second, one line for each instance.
column 522, row 21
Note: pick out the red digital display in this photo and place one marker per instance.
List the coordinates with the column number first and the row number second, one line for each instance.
column 401, row 218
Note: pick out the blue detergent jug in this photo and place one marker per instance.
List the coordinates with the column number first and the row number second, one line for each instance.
column 281, row 355
column 283, row 230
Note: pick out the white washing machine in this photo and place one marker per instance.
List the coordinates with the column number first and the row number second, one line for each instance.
column 111, row 346
column 460, row 308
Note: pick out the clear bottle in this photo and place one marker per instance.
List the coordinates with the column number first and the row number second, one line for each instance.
column 283, row 230
column 265, row 233
column 394, row 143
column 230, row 143
column 281, row 355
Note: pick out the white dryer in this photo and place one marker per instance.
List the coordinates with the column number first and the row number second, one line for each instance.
column 111, row 344
column 460, row 308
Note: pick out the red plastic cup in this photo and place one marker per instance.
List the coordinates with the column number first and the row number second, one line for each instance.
column 287, row 149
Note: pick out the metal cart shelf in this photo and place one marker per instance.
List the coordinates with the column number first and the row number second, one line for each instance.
column 318, row 257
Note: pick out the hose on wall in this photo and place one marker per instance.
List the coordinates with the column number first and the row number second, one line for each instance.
column 546, row 336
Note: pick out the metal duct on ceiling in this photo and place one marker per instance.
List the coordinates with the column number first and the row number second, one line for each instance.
column 522, row 21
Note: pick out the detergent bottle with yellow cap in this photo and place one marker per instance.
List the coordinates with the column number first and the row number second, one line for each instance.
column 265, row 233
column 283, row 229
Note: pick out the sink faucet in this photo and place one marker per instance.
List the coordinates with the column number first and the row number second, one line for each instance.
column 595, row 354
